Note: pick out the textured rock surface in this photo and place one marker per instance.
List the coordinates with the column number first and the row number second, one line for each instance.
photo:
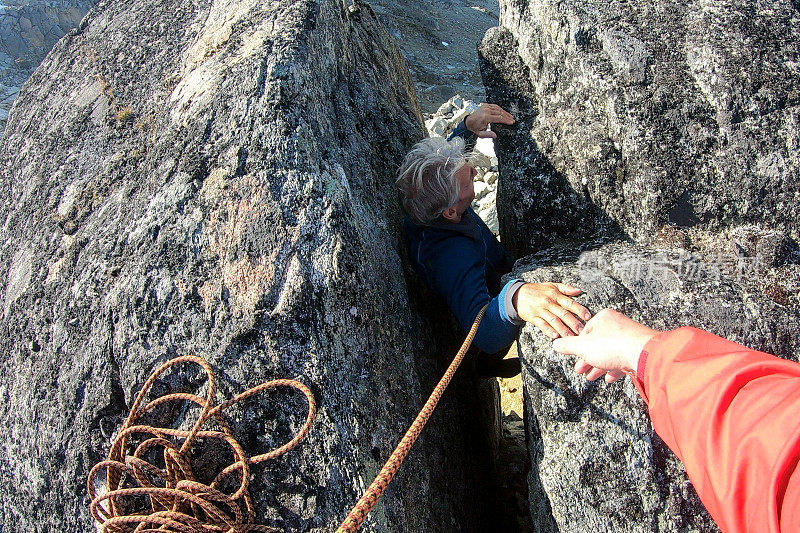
column 217, row 178
column 676, row 112
column 597, row 465
column 438, row 39
column 28, row 30
column 676, row 124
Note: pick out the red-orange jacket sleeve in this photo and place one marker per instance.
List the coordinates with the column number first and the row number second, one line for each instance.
column 732, row 416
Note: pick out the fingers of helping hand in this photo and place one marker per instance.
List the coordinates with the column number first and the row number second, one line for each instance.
column 573, row 306
column 486, row 134
column 595, row 373
column 582, row 367
column 556, row 323
column 544, row 327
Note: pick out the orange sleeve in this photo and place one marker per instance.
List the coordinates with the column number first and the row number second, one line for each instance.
column 732, row 416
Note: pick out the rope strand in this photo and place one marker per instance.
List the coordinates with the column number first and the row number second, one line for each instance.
column 376, row 489
column 181, row 504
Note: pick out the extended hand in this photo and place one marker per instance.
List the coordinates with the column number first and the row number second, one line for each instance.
column 609, row 345
column 548, row 306
column 479, row 121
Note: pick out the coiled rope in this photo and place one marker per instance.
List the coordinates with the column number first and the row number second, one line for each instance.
column 182, row 504
column 179, row 503
column 378, row 486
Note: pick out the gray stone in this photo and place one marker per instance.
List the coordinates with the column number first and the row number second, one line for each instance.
column 481, row 189
column 486, row 209
column 28, row 30
column 768, row 248
column 635, row 114
column 420, row 28
column 436, row 127
column 245, row 211
column 445, row 108
column 597, row 464
column 479, row 159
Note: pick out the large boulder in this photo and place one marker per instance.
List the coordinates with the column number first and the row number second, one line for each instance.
column 217, row 178
column 28, row 30
column 637, row 115
column 597, row 464
column 672, row 126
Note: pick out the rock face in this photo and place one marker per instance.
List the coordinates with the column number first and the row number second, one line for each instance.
column 28, row 30
column 218, row 179
column 672, row 126
column 596, row 462
column 645, row 114
column 438, row 40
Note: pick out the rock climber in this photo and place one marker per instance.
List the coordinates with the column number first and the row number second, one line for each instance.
column 730, row 414
column 459, row 258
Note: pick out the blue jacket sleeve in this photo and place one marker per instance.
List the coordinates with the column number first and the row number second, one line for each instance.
column 461, row 131
column 460, row 277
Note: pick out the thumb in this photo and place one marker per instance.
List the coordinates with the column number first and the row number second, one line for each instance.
column 569, row 345
column 487, row 134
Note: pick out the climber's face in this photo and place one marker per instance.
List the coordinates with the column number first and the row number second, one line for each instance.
column 466, row 193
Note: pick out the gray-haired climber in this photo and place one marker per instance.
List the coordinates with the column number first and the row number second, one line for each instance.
column 459, row 258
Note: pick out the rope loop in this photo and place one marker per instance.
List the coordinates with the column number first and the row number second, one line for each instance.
column 179, row 503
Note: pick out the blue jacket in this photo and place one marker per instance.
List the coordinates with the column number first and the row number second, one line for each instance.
column 463, row 263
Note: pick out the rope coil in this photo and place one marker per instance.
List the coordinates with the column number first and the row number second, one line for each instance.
column 184, row 505
column 180, row 503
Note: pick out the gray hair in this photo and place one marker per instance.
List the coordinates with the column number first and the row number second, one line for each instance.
column 427, row 178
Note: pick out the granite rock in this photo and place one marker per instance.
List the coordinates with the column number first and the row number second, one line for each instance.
column 28, row 30
column 597, row 464
column 638, row 114
column 217, row 178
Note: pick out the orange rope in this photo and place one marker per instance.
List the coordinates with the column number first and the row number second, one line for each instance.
column 179, row 503
column 184, row 505
column 384, row 477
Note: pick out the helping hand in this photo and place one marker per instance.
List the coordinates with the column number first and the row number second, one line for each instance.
column 609, row 345
column 479, row 121
column 548, row 306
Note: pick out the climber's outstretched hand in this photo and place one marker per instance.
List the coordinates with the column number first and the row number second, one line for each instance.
column 609, row 344
column 478, row 122
column 550, row 307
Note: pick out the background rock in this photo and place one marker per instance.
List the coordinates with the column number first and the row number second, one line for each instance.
column 645, row 114
column 438, row 39
column 669, row 125
column 597, row 463
column 28, row 30
column 219, row 179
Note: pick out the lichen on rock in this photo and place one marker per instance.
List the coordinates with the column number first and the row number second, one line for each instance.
column 654, row 165
column 218, row 179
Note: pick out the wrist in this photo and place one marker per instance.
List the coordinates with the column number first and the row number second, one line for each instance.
column 515, row 297
column 467, row 123
column 637, row 344
column 508, row 304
